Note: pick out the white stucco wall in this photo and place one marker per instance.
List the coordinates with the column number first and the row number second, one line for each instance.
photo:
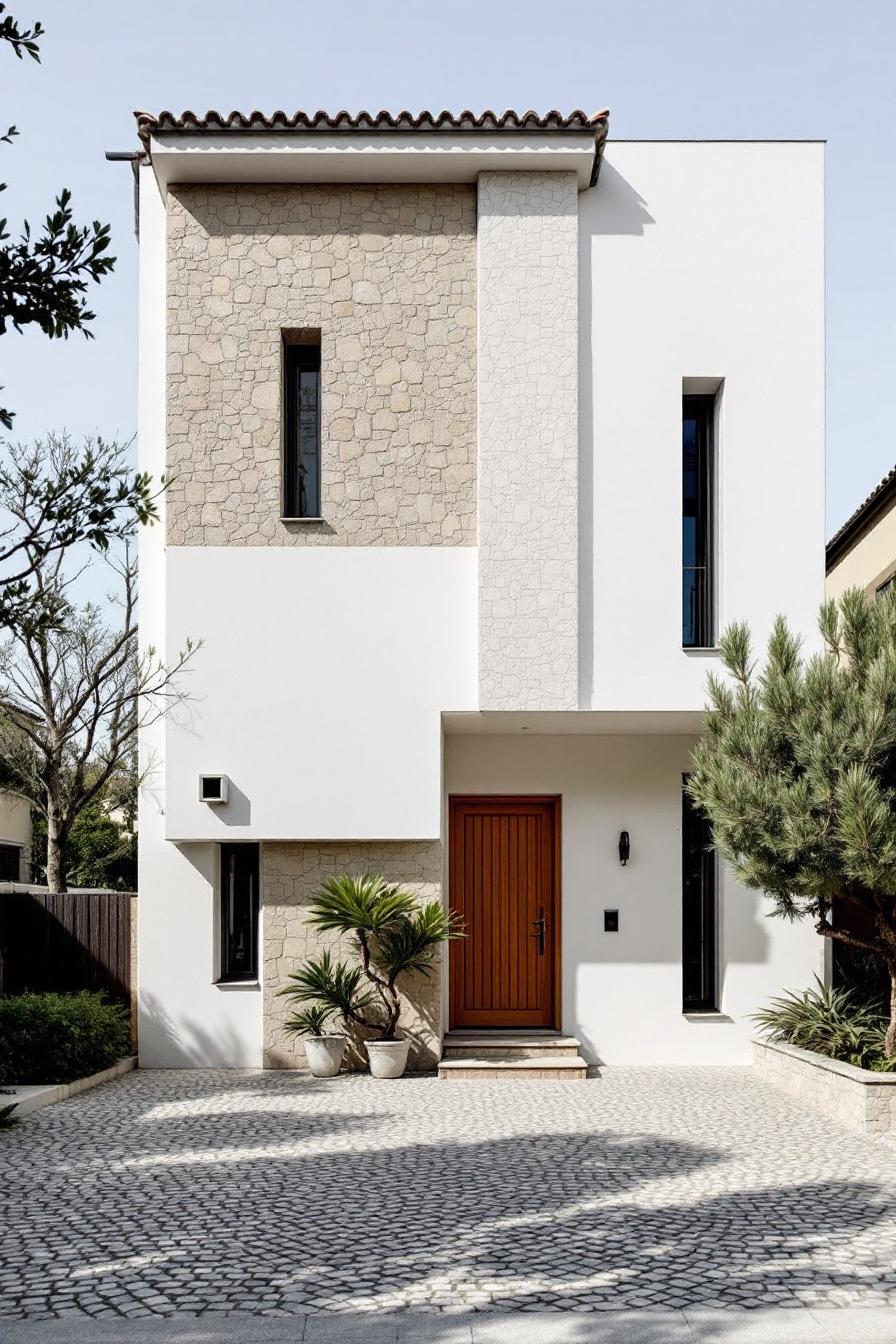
column 697, row 260
column 528, row 440
column 323, row 671
column 183, row 1018
column 622, row 991
column 318, row 688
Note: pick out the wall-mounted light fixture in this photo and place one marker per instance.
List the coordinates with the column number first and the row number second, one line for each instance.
column 625, row 848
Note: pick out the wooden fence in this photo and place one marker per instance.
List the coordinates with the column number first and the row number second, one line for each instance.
column 69, row 941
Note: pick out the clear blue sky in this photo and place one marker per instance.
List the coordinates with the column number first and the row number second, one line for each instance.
column 665, row 68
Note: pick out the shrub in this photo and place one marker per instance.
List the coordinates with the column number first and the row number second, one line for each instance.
column 55, row 1038
column 832, row 1022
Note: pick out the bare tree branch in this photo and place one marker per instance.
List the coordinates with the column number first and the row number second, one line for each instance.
column 74, row 694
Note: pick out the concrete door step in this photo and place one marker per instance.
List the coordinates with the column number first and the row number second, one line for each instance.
column 508, row 1045
column 562, row 1067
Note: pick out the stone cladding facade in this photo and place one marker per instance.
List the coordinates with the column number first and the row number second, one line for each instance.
column 291, row 874
column 528, row 440
column 388, row 276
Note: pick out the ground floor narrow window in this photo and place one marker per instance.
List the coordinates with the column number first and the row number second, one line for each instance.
column 239, row 912
column 699, row 919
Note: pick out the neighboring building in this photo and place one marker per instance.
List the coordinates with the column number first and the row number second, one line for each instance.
column 15, row 827
column 862, row 554
column 474, row 445
column 15, row 837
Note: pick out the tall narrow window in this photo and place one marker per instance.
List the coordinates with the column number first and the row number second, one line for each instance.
column 698, row 414
column 239, row 912
column 698, row 897
column 301, row 404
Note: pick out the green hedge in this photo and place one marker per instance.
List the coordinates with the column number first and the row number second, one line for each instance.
column 56, row 1038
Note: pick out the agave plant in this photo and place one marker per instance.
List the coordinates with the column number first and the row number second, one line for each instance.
column 832, row 1022
column 392, row 935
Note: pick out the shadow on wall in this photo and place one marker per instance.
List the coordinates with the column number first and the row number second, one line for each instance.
column 617, row 206
column 743, row 940
column 185, row 1044
column 412, row 209
column 186, row 717
column 421, row 1026
column 613, row 208
column 645, row 941
column 237, row 811
column 538, row 1219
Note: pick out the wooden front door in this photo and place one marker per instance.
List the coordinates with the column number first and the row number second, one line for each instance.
column 504, row 882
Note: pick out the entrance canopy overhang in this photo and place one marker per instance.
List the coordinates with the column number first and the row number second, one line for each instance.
column 598, row 722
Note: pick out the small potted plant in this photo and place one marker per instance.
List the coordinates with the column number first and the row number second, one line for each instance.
column 323, row 1049
column 392, row 935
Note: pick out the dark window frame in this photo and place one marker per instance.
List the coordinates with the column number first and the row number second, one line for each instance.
column 301, row 355
column 8, row 850
column 240, row 866
column 699, row 910
column 698, row 577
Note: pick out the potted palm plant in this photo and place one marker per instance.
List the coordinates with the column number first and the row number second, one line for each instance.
column 323, row 1049
column 392, row 936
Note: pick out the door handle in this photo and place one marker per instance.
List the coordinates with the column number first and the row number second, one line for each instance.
column 540, row 927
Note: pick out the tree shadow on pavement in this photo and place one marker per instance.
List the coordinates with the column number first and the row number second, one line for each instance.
column 311, row 1209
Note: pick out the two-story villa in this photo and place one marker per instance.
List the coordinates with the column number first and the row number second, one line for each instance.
column 478, row 431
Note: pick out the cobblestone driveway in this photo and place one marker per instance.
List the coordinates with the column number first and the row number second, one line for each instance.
column 220, row 1191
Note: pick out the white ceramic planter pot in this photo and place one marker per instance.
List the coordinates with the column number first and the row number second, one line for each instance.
column 387, row 1058
column 324, row 1054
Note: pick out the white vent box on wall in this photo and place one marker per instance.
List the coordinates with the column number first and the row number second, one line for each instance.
column 213, row 789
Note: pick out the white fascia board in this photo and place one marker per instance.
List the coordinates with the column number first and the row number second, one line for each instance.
column 382, row 157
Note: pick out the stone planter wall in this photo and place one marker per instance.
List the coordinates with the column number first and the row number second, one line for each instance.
column 862, row 1101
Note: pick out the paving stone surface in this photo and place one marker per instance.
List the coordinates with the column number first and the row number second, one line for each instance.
column 213, row 1192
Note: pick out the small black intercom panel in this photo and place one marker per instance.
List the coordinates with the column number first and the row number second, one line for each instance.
column 611, row 921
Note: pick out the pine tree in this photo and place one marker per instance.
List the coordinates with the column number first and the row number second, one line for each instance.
column 797, row 772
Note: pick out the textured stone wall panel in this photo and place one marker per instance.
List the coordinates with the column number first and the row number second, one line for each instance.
column 858, row 1099
column 528, row 440
column 291, row 874
column 388, row 274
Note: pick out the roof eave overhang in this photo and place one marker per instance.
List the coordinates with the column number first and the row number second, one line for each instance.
column 880, row 502
column 356, row 156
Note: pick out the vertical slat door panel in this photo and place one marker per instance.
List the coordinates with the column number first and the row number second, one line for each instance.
column 503, row 875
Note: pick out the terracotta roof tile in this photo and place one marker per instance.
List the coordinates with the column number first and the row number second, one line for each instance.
column 846, row 536
column 187, row 121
